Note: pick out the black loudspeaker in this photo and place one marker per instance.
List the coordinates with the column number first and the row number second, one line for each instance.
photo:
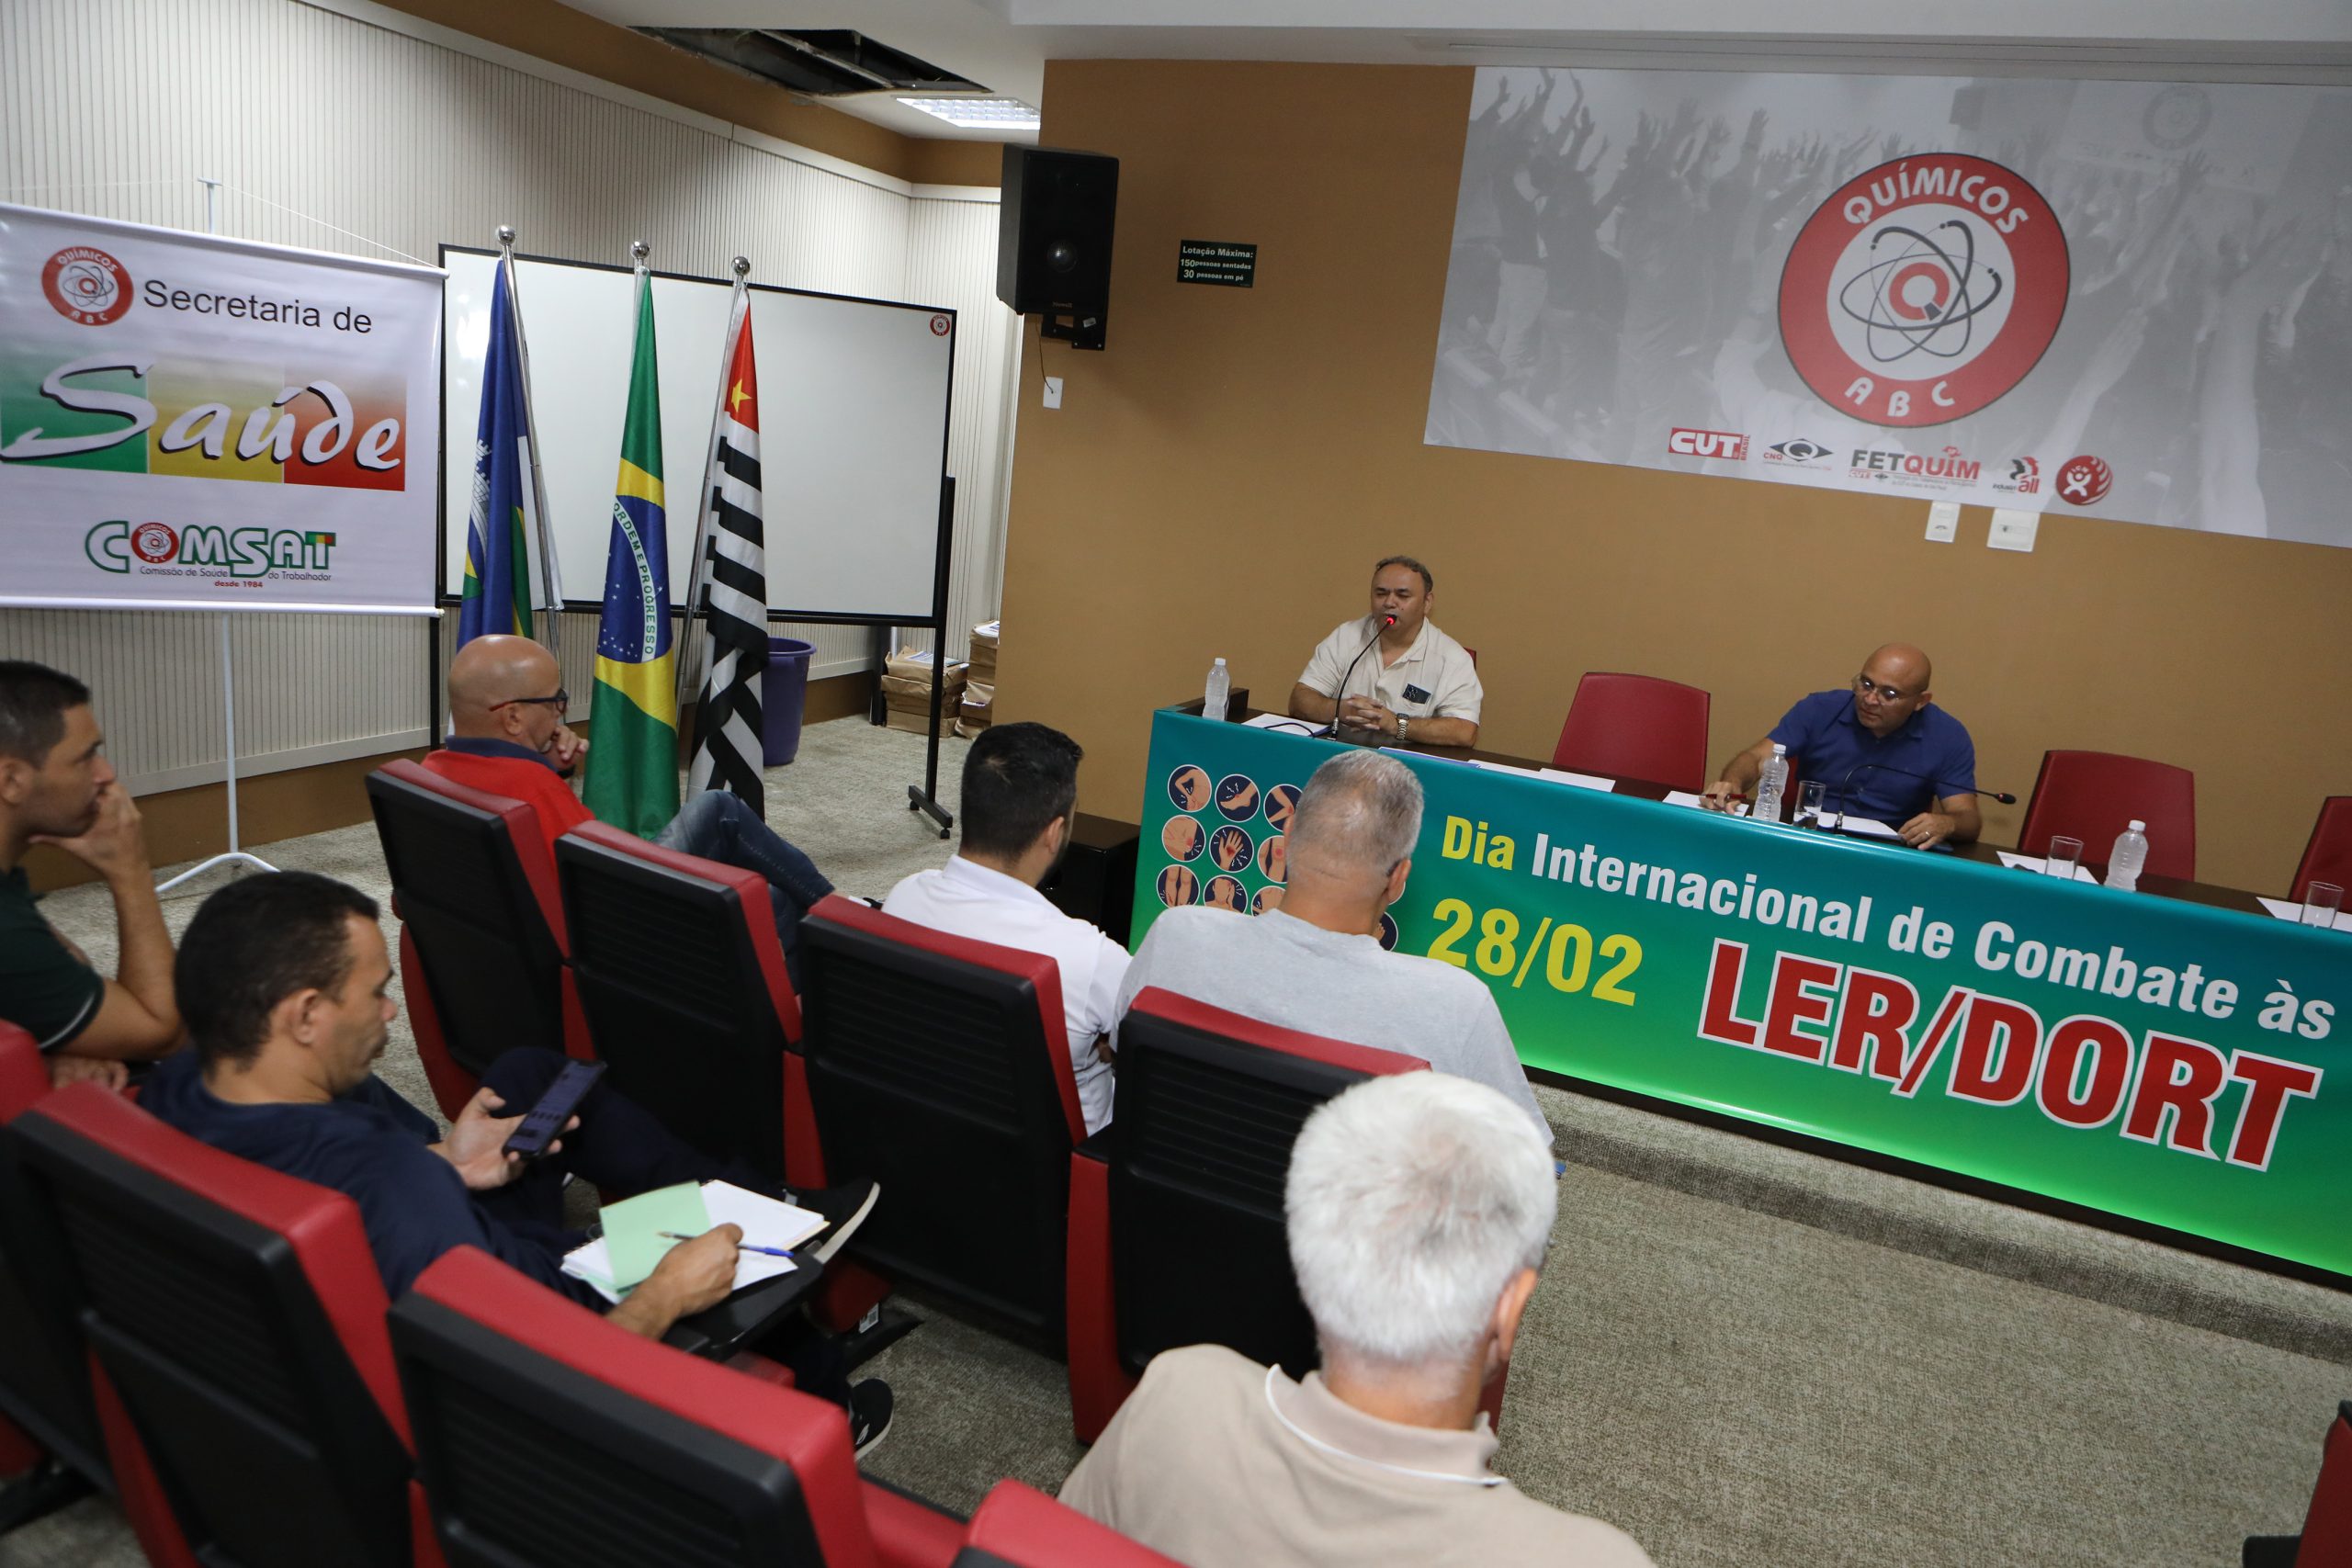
column 1096, row 877
column 1053, row 248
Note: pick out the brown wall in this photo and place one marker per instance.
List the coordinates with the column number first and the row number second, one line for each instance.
column 562, row 36
column 1220, row 481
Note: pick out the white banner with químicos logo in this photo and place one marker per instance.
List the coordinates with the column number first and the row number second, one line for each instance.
column 2128, row 299
column 194, row 423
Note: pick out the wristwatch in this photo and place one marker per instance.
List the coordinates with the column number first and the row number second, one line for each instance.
column 1402, row 722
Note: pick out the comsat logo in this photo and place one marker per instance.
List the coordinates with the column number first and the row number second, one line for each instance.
column 85, row 285
column 158, row 548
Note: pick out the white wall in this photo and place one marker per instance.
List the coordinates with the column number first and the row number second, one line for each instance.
column 344, row 127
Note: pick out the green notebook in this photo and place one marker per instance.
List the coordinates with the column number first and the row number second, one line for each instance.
column 633, row 1228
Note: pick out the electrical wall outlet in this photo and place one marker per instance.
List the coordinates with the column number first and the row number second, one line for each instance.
column 1053, row 392
column 1943, row 521
column 2013, row 529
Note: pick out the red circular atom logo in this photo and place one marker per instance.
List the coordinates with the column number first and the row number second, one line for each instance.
column 86, row 285
column 2085, row 480
column 155, row 543
column 938, row 325
column 1923, row 289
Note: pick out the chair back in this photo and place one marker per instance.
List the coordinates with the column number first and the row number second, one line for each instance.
column 1020, row 1527
column 542, row 1429
column 477, row 896
column 684, row 984
column 2093, row 796
column 1209, row 1104
column 940, row 1067
column 1636, row 726
column 237, row 1320
column 44, row 1362
column 2327, row 1526
column 2328, row 856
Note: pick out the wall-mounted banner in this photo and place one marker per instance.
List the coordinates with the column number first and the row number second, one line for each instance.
column 2180, row 1065
column 194, row 423
column 2128, row 299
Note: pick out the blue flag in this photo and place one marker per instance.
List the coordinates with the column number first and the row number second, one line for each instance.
column 498, row 574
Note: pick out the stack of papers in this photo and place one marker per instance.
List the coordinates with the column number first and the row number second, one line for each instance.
column 2042, row 867
column 2282, row 909
column 632, row 1243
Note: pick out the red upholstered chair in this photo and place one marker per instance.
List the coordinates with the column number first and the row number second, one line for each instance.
column 1636, row 726
column 2093, row 796
column 675, row 962
column 48, row 1427
column 2326, row 1537
column 540, row 1426
column 940, row 1068
column 1020, row 1527
column 1191, row 1170
column 2328, row 857
column 482, row 940
column 236, row 1324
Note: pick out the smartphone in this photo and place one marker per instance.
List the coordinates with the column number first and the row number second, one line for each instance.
column 547, row 1118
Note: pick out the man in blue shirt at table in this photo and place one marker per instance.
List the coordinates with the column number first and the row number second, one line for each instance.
column 1884, row 751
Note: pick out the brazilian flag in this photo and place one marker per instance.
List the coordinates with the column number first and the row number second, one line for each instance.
column 632, row 778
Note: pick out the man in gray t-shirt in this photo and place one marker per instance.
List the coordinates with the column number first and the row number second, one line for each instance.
column 1312, row 964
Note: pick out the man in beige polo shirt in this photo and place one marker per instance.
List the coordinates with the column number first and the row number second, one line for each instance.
column 1418, row 684
column 1419, row 1207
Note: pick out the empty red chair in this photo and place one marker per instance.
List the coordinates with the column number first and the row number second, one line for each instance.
column 2328, row 857
column 235, row 1318
column 539, row 1426
column 940, row 1068
column 1636, row 726
column 1020, row 1527
column 2093, row 796
column 675, row 963
column 2326, row 1537
column 1192, row 1168
column 483, row 941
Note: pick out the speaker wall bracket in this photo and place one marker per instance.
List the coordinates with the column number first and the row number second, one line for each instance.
column 1084, row 329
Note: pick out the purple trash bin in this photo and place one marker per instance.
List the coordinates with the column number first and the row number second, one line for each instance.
column 783, row 697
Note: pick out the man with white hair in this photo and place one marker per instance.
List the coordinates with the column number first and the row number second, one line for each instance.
column 1420, row 1209
column 1314, row 963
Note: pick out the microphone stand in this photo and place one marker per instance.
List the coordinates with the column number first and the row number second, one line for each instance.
column 1845, row 796
column 1340, row 697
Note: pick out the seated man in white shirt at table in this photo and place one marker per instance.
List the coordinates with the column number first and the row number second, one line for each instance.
column 1020, row 798
column 1418, row 684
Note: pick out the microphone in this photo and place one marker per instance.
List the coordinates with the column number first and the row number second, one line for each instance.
column 1340, row 697
column 1845, row 794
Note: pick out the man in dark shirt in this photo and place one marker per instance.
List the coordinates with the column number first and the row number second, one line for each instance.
column 283, row 978
column 1883, row 748
column 56, row 788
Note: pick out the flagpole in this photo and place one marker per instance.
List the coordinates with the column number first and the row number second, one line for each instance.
column 550, row 583
column 690, row 678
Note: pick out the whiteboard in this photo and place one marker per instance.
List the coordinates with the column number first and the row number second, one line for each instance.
column 853, row 427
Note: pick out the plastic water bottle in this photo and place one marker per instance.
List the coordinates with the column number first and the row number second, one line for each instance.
column 1220, row 684
column 1769, row 786
column 2130, row 853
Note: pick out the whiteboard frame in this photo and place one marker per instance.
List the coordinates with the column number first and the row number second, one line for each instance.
column 937, row 620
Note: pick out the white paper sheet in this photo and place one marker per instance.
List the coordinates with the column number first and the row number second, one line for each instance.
column 1863, row 827
column 1681, row 798
column 1286, row 723
column 2282, row 909
column 765, row 1222
column 1581, row 781
column 2040, row 867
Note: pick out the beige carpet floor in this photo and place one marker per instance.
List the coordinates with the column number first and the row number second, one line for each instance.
column 1742, row 1354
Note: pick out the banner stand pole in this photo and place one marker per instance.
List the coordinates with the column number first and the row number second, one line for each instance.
column 227, row 666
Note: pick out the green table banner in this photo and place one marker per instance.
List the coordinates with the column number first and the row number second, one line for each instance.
column 2157, row 1059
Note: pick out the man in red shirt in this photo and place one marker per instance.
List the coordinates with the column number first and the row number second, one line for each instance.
column 507, row 708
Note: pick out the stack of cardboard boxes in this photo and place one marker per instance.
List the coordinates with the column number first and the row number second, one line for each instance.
column 906, row 691
column 976, row 712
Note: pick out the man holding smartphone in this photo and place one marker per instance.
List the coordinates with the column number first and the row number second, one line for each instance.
column 283, row 981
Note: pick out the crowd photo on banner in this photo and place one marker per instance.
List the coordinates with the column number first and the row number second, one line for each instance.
column 2129, row 297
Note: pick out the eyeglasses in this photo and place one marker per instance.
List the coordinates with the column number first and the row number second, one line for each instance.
column 1866, row 686
column 561, row 702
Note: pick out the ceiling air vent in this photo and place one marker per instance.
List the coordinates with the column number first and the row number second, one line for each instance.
column 826, row 64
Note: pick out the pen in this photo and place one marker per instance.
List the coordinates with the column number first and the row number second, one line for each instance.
column 740, row 1246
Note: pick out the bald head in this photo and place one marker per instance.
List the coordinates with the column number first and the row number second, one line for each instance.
column 1892, row 686
column 493, row 670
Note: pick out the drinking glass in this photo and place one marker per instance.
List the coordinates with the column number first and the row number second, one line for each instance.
column 2321, row 901
column 1810, row 796
column 2063, row 855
